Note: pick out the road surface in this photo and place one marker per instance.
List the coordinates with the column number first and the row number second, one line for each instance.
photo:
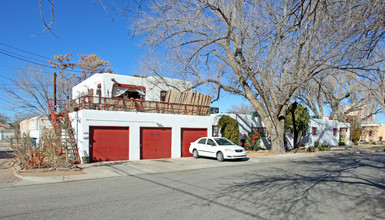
column 330, row 187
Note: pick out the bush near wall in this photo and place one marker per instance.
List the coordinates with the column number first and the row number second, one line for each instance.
column 229, row 128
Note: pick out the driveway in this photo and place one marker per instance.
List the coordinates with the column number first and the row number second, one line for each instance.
column 6, row 174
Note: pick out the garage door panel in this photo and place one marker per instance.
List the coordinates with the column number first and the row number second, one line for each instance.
column 109, row 143
column 190, row 135
column 155, row 143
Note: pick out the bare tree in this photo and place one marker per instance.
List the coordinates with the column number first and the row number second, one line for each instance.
column 4, row 119
column 69, row 75
column 241, row 109
column 311, row 96
column 262, row 50
column 31, row 90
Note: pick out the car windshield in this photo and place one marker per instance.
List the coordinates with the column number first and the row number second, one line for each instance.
column 223, row 141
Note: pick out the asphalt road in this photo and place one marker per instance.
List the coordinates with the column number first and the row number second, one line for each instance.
column 332, row 187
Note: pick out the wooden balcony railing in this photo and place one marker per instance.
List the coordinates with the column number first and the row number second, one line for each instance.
column 134, row 105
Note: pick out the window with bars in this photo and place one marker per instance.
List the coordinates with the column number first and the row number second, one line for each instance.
column 335, row 131
column 314, row 131
column 163, row 96
column 215, row 132
column 261, row 131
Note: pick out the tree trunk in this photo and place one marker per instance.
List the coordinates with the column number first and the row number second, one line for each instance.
column 277, row 134
column 295, row 141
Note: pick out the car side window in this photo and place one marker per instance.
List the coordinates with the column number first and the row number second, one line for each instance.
column 202, row 141
column 210, row 142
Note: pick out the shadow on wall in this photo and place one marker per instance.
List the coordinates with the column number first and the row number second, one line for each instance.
column 309, row 140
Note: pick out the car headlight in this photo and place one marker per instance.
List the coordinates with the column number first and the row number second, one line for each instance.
column 229, row 150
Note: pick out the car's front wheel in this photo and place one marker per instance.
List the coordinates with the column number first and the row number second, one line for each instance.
column 220, row 156
column 195, row 153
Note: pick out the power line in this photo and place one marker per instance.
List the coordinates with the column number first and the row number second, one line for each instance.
column 26, row 60
column 25, row 51
column 6, row 51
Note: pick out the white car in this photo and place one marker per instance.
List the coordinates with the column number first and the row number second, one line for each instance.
column 217, row 147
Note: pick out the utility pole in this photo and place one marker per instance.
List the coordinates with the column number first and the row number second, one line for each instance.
column 54, row 91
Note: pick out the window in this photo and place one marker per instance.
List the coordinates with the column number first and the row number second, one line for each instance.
column 202, row 141
column 211, row 142
column 335, row 131
column 370, row 133
column 163, row 96
column 314, row 131
column 222, row 141
column 215, row 131
column 261, row 131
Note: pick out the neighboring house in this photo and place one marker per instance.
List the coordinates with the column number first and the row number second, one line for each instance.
column 325, row 131
column 34, row 127
column 128, row 118
column 246, row 123
column 372, row 132
column 6, row 132
column 365, row 113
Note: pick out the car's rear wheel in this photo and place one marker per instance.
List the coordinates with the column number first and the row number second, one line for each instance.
column 195, row 153
column 220, row 156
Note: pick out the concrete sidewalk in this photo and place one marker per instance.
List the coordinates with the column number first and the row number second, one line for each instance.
column 101, row 170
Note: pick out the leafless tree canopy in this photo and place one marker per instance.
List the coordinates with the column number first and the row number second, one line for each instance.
column 263, row 50
column 241, row 109
column 31, row 90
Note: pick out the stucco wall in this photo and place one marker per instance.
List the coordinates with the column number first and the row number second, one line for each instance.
column 372, row 132
column 325, row 133
column 133, row 120
column 245, row 122
column 153, row 85
column 35, row 126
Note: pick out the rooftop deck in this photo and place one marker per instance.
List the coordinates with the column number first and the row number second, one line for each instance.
column 131, row 105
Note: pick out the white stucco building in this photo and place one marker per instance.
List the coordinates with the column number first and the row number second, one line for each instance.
column 118, row 117
column 325, row 131
column 34, row 127
column 122, row 117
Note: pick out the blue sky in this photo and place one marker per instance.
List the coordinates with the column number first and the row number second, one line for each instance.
column 82, row 28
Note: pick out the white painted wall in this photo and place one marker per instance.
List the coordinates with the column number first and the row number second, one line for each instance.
column 35, row 126
column 152, row 84
column 325, row 132
column 135, row 121
column 245, row 122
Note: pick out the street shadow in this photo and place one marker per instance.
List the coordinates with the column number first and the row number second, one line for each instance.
column 327, row 185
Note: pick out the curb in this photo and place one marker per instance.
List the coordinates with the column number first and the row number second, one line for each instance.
column 264, row 159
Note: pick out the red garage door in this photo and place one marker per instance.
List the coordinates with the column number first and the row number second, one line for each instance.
column 109, row 143
column 155, row 142
column 190, row 135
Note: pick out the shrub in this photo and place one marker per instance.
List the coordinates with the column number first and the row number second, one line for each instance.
column 229, row 128
column 27, row 155
column 311, row 149
column 252, row 141
column 324, row 147
column 44, row 155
